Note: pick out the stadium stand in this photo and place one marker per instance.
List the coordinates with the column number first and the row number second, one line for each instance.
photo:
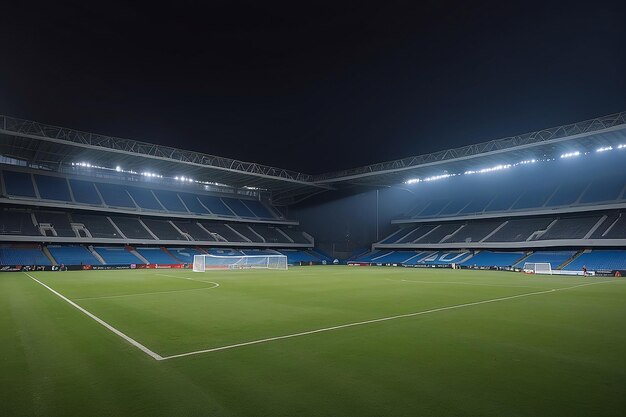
column 17, row 223
column 571, row 228
column 184, row 254
column 52, row 188
column 297, row 256
column 554, row 258
column 144, row 198
column 258, row 209
column 295, row 235
column 215, row 205
column 170, row 201
column 599, row 260
column 116, row 255
column 98, row 226
column 22, row 255
column 193, row 204
column 163, row 229
column 156, row 256
column 85, row 192
column 487, row 258
column 238, row 207
column 270, row 234
column 224, row 233
column 131, row 227
column 115, row 195
column 519, row 230
column 18, row 184
column 194, row 230
column 244, row 230
column 73, row 255
column 58, row 220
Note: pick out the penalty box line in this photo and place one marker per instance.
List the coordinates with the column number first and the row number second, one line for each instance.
column 117, row 332
column 382, row 319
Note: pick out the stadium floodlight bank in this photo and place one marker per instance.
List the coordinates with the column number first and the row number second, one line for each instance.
column 538, row 267
column 202, row 263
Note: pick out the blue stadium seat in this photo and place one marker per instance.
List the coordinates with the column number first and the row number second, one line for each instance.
column 144, row 198
column 117, row 255
column 258, row 209
column 170, row 201
column 156, row 256
column 52, row 188
column 184, row 254
column 238, row 207
column 296, row 256
column 18, row 255
column 554, row 258
column 115, row 195
column 192, row 203
column 73, row 255
column 599, row 260
column 487, row 258
column 216, row 205
column 18, row 184
column 85, row 192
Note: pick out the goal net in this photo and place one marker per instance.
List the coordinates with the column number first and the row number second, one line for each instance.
column 538, row 267
column 202, row 263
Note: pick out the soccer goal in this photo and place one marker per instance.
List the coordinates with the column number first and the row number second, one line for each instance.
column 538, row 267
column 202, row 263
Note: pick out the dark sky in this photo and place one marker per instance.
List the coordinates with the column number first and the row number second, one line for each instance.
column 312, row 86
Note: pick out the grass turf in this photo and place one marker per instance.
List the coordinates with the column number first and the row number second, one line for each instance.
column 559, row 353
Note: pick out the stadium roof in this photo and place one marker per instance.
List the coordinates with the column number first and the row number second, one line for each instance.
column 38, row 143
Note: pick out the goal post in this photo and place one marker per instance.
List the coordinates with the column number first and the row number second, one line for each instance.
column 202, row 263
column 538, row 267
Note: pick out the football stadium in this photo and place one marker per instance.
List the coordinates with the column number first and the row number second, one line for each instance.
column 313, row 209
column 150, row 280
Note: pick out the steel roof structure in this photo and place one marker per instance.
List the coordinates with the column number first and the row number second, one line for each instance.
column 56, row 147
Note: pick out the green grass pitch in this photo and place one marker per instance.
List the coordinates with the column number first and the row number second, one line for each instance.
column 452, row 343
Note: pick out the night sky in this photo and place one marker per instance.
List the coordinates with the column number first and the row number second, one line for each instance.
column 312, row 87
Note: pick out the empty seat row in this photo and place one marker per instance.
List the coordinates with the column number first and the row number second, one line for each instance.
column 55, row 188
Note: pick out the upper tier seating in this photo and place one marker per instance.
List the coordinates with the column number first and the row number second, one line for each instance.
column 270, row 233
column 73, row 255
column 52, row 188
column 144, row 198
column 540, row 186
column 474, row 231
column 135, row 197
column 85, row 192
column 115, row 195
column 296, row 235
column 15, row 222
column 98, row 226
column 519, row 230
column 238, row 207
column 131, row 227
column 163, row 229
column 223, row 231
column 22, row 255
column 244, row 230
column 18, row 184
column 571, row 227
column 60, row 222
column 194, row 230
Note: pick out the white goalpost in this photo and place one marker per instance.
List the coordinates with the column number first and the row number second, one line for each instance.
column 538, row 267
column 202, row 263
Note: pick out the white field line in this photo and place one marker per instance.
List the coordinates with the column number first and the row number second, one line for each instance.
column 215, row 285
column 100, row 321
column 189, row 279
column 361, row 323
column 464, row 283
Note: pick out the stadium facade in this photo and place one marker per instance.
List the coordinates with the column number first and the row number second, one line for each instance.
column 77, row 198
